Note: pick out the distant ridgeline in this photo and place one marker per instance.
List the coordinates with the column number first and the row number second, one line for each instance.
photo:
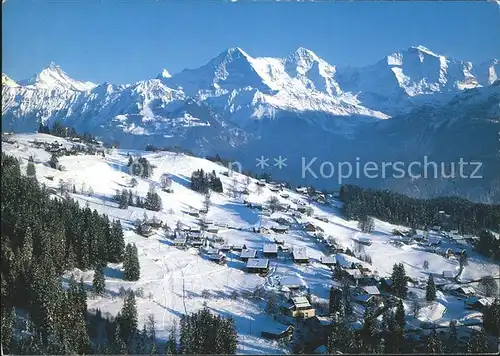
column 465, row 216
column 66, row 132
column 176, row 149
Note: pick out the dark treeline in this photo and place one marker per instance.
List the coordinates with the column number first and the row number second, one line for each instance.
column 202, row 182
column 140, row 167
column 41, row 238
column 466, row 216
column 176, row 149
column 62, row 131
column 127, row 198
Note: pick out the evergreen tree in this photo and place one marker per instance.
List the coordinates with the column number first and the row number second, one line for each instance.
column 491, row 318
column 127, row 320
column 98, row 282
column 434, row 343
column 30, row 169
column 478, row 343
column 54, row 162
column 430, row 289
column 451, row 344
column 400, row 314
column 400, row 281
column 131, row 264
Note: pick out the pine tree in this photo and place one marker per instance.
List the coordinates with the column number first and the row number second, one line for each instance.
column 131, row 264
column 128, row 317
column 434, row 343
column 98, row 282
column 430, row 289
column 400, row 315
column 30, row 169
column 451, row 344
column 400, row 281
column 54, row 162
column 478, row 343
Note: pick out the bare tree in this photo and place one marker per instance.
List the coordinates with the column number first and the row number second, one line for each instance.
column 426, row 265
column 207, row 202
column 165, row 181
column 260, row 189
column 309, row 211
column 415, row 307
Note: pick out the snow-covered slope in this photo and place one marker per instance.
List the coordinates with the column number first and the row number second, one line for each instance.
column 406, row 79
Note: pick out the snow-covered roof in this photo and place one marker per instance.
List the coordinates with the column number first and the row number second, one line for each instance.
column 248, row 253
column 300, row 253
column 257, row 263
column 301, row 302
column 180, row 240
column 448, row 274
column 270, row 248
column 328, row 259
column 371, row 290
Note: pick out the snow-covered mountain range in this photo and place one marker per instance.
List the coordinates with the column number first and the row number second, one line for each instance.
column 237, row 104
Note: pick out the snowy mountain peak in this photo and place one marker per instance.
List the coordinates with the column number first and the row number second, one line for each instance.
column 8, row 81
column 422, row 49
column 164, row 74
column 53, row 77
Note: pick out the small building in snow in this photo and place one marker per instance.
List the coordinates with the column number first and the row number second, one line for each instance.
column 279, row 229
column 328, row 260
column 247, row 254
column 299, row 307
column 180, row 242
column 257, row 265
column 270, row 250
column 299, row 255
column 282, row 332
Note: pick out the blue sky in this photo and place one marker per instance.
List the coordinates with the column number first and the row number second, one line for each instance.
column 122, row 42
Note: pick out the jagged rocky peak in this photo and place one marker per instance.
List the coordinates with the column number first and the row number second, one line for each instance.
column 53, row 77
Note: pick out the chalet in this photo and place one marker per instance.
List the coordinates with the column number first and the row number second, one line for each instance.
column 211, row 251
column 145, row 229
column 476, row 303
column 282, row 221
column 195, row 233
column 352, row 275
column 385, row 284
column 155, row 222
column 217, row 238
column 195, row 213
column 195, row 242
column 301, row 190
column 460, row 290
column 434, row 242
column 279, row 229
column 292, row 283
column 218, row 258
column 448, row 274
column 274, row 188
column 270, row 250
column 299, row 255
column 299, row 307
column 257, row 265
column 283, row 207
column 279, row 241
column 285, row 195
column 301, row 209
column 180, row 242
column 321, row 218
column 363, row 240
column 397, row 232
column 206, row 223
column 296, row 214
column 310, row 227
column 212, row 229
column 247, row 254
column 261, row 182
column 370, row 290
column 225, row 248
column 204, row 211
column 282, row 332
column 364, row 299
column 237, row 247
column 328, row 260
